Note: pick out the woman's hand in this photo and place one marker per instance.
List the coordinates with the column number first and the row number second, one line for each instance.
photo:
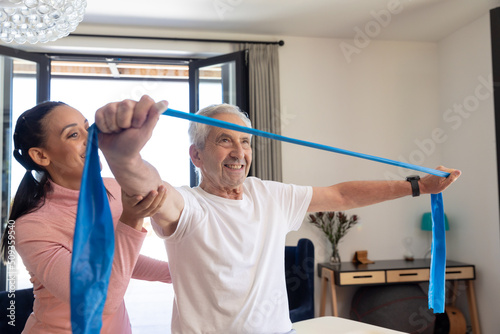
column 136, row 208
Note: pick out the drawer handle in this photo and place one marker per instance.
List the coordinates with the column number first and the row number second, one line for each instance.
column 454, row 272
column 408, row 274
column 363, row 276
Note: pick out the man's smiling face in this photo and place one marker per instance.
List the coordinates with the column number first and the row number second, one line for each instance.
column 225, row 160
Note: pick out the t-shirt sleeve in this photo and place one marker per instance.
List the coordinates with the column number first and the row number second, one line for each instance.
column 293, row 199
column 191, row 209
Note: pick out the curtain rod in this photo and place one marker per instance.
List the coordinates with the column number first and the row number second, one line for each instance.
column 280, row 43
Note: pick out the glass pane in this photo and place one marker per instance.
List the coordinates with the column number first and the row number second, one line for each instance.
column 149, row 304
column 23, row 96
column 217, row 84
column 168, row 150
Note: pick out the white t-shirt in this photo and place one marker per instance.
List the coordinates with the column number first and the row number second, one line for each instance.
column 227, row 258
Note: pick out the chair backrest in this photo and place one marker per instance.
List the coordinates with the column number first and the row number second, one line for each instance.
column 299, row 272
column 15, row 308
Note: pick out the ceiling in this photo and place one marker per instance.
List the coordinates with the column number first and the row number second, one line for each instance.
column 416, row 20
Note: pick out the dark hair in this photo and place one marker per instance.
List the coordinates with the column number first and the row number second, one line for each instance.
column 30, row 196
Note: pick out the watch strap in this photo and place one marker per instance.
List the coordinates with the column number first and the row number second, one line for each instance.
column 415, row 189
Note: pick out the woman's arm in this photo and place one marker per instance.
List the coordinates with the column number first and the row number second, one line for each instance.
column 46, row 252
column 149, row 269
column 129, row 236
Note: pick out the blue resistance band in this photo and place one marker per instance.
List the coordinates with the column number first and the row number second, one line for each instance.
column 93, row 244
column 232, row 126
column 437, row 297
column 436, row 293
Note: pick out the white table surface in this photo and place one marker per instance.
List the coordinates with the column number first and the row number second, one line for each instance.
column 336, row 325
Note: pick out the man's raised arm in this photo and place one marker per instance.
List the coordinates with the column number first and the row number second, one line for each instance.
column 125, row 127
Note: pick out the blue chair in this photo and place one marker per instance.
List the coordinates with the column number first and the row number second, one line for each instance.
column 299, row 273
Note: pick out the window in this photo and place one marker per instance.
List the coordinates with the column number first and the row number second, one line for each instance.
column 87, row 84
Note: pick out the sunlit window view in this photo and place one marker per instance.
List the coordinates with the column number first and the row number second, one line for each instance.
column 88, row 86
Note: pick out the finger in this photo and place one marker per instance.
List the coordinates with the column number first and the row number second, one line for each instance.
column 156, row 204
column 454, row 174
column 110, row 117
column 137, row 200
column 141, row 111
column 154, row 210
column 145, row 204
column 100, row 118
column 160, row 199
column 131, row 200
column 125, row 113
column 161, row 106
column 154, row 115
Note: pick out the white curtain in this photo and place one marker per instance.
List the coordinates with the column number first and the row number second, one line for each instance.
column 264, row 108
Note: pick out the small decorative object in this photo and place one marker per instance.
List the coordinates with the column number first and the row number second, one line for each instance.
column 361, row 257
column 408, row 255
column 335, row 225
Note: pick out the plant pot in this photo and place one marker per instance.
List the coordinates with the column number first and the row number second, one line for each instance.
column 335, row 257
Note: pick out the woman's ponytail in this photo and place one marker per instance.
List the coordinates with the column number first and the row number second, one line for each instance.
column 30, row 195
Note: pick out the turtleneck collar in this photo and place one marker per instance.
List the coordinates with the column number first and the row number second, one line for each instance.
column 62, row 196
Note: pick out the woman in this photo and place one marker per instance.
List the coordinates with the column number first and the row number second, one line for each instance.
column 50, row 142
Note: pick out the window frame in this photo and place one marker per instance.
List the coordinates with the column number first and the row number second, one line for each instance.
column 43, row 77
column 42, row 93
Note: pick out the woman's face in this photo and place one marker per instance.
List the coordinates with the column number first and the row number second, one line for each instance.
column 66, row 142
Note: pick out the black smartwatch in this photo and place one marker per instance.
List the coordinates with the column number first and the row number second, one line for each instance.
column 415, row 189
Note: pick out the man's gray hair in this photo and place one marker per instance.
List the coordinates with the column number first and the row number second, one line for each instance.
column 198, row 132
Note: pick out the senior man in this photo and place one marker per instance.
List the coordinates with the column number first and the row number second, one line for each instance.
column 225, row 238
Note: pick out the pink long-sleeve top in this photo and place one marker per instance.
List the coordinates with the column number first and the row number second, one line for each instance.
column 44, row 240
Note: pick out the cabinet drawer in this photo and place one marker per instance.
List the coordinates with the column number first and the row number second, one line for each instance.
column 407, row 275
column 460, row 273
column 362, row 277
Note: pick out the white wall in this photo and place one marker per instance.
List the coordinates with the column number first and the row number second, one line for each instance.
column 382, row 102
column 465, row 66
column 388, row 101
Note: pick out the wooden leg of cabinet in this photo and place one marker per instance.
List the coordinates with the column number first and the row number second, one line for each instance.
column 454, row 292
column 324, row 286
column 327, row 277
column 471, row 298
